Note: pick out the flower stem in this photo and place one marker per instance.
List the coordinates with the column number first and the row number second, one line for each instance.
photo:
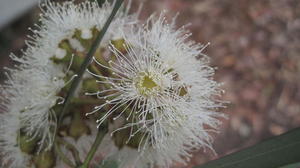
column 74, row 87
column 88, row 60
column 94, row 148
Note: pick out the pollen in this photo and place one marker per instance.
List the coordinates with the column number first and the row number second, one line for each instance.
column 146, row 84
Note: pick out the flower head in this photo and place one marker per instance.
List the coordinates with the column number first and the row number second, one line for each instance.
column 162, row 89
column 35, row 86
column 27, row 98
column 9, row 133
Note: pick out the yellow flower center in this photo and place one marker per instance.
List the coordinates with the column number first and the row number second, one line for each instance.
column 146, row 84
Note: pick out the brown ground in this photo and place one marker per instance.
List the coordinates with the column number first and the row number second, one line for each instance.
column 254, row 44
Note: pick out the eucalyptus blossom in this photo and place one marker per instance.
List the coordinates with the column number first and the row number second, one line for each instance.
column 160, row 87
column 36, row 86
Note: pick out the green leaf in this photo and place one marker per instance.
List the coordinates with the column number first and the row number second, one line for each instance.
column 295, row 165
column 273, row 153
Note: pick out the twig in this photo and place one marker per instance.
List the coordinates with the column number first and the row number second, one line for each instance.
column 88, row 60
column 93, row 149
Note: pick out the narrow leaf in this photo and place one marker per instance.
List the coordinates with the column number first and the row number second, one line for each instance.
column 295, row 165
column 273, row 153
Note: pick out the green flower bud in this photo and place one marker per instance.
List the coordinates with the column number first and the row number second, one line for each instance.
column 121, row 138
column 45, row 160
column 84, row 41
column 77, row 59
column 119, row 44
column 27, row 144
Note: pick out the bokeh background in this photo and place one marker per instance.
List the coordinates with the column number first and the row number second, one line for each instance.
column 255, row 45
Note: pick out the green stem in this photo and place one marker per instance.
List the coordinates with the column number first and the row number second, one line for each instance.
column 88, row 60
column 63, row 157
column 93, row 149
column 74, row 87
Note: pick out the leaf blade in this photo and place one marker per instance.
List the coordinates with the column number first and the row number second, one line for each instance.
column 295, row 165
column 278, row 151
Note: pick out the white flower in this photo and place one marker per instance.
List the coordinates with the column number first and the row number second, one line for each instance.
column 41, row 92
column 61, row 21
column 34, row 85
column 27, row 98
column 9, row 131
column 163, row 87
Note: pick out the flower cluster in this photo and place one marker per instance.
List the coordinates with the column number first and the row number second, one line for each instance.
column 148, row 85
column 35, row 86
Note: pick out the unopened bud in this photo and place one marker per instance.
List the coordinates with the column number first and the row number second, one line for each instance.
column 119, row 45
column 27, row 144
column 125, row 137
column 45, row 160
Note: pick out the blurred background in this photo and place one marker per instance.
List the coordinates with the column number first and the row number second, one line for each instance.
column 255, row 44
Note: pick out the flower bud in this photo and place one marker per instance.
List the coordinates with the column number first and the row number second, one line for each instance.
column 122, row 138
column 86, row 37
column 76, row 59
column 45, row 160
column 119, row 45
column 27, row 144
